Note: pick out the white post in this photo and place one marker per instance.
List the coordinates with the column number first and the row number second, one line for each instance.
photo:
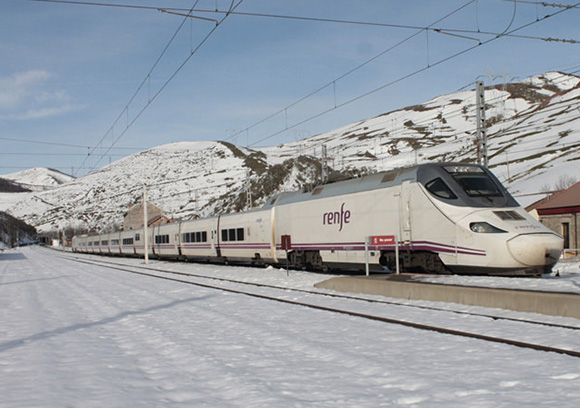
column 145, row 219
column 481, row 125
column 397, row 254
column 367, row 255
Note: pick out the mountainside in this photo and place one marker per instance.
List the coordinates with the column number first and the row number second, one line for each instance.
column 9, row 186
column 14, row 232
column 38, row 179
column 533, row 138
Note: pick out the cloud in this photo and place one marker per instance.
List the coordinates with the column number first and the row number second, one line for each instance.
column 41, row 112
column 30, row 95
column 16, row 88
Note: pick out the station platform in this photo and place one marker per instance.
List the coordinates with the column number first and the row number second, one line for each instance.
column 404, row 287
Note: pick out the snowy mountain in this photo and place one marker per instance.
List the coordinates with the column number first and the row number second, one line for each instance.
column 533, row 131
column 38, row 178
column 14, row 232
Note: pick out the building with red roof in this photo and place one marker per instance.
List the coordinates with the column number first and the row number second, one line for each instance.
column 559, row 212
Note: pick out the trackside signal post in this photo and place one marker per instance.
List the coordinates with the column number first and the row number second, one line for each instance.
column 379, row 241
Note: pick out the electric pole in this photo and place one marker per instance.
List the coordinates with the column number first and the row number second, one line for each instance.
column 324, row 171
column 481, row 129
column 145, row 219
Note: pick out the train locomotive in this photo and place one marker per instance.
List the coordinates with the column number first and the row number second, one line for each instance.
column 443, row 217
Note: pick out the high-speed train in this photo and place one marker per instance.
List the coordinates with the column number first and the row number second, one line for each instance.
column 444, row 218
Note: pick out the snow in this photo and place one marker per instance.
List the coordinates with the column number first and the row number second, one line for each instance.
column 39, row 179
column 533, row 145
column 77, row 335
column 565, row 277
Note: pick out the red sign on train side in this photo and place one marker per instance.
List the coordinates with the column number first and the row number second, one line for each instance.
column 383, row 240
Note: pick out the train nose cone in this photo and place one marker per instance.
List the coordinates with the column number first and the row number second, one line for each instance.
column 536, row 249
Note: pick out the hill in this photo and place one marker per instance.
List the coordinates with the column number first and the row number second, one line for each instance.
column 533, row 138
column 38, row 178
column 14, row 232
column 9, row 186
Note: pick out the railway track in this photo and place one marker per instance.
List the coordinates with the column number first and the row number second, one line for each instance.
column 355, row 306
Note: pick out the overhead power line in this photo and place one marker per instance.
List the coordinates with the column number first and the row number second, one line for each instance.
column 391, row 83
column 152, row 98
column 440, row 30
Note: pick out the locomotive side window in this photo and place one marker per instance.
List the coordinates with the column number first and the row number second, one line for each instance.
column 476, row 185
column 474, row 181
column 438, row 188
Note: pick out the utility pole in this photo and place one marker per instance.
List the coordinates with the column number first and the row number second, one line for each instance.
column 481, row 129
column 145, row 219
column 324, row 171
column 248, row 190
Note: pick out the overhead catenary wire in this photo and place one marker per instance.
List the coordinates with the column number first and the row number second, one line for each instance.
column 400, row 79
column 152, row 98
column 233, row 12
column 467, row 133
column 440, row 30
column 391, row 83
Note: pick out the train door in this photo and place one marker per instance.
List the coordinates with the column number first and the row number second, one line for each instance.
column 178, row 240
column 405, row 212
column 216, row 237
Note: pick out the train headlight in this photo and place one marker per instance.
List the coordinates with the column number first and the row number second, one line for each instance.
column 484, row 228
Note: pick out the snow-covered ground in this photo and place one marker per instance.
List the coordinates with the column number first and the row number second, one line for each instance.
column 77, row 335
column 565, row 277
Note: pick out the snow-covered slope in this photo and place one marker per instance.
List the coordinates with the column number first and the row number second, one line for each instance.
column 39, row 178
column 533, row 139
column 533, row 130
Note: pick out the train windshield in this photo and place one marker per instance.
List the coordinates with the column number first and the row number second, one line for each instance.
column 474, row 181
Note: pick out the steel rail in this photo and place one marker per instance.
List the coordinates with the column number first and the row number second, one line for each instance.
column 343, row 296
column 419, row 326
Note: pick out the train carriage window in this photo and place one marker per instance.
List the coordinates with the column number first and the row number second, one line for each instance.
column 162, row 239
column 137, row 237
column 127, row 241
column 198, row 236
column 231, row 234
column 204, row 236
column 104, row 243
column 438, row 188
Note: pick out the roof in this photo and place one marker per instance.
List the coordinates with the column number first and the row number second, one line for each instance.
column 565, row 201
column 351, row 186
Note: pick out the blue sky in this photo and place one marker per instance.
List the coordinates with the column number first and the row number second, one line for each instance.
column 69, row 71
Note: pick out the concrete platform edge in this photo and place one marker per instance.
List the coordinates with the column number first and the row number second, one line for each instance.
column 547, row 303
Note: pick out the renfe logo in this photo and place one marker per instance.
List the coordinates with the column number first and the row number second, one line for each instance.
column 336, row 218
